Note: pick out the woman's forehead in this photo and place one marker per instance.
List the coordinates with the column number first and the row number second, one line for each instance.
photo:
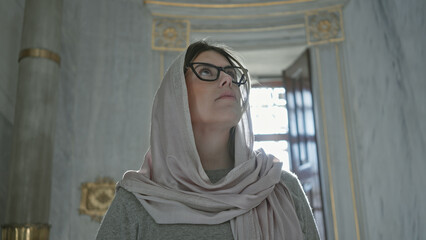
column 212, row 57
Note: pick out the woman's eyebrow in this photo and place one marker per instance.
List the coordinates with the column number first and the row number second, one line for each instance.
column 229, row 64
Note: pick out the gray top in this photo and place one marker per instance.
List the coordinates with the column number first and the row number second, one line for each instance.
column 127, row 218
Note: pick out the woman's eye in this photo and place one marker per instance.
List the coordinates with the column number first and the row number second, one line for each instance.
column 205, row 72
column 231, row 73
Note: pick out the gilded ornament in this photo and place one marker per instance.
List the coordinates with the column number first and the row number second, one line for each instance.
column 170, row 34
column 96, row 197
column 324, row 26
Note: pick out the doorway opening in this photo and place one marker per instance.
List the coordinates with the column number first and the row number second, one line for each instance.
column 282, row 110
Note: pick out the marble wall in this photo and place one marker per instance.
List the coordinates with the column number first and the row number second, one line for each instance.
column 11, row 19
column 385, row 55
column 104, row 104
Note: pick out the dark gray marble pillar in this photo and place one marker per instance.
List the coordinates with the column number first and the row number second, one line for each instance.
column 27, row 215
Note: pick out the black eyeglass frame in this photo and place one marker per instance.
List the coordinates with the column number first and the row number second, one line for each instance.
column 219, row 69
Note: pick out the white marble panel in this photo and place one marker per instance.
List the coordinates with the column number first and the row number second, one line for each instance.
column 333, row 151
column 385, row 61
column 104, row 104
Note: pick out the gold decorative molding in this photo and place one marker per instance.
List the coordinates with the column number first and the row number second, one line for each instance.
column 170, row 34
column 327, row 147
column 248, row 16
column 39, row 53
column 348, row 150
column 324, row 26
column 25, row 232
column 229, row 5
column 260, row 29
column 161, row 66
column 96, row 197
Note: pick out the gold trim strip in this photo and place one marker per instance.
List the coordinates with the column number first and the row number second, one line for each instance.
column 294, row 26
column 336, row 40
column 39, row 53
column 342, row 100
column 328, row 8
column 25, row 232
column 161, row 66
column 235, row 5
column 275, row 14
column 327, row 151
column 341, row 23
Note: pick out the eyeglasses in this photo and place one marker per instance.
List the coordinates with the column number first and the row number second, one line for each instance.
column 210, row 72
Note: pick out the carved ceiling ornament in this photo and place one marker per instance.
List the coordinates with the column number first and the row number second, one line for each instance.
column 324, row 26
column 96, row 197
column 170, row 34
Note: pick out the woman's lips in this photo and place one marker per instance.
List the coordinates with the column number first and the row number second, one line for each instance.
column 226, row 96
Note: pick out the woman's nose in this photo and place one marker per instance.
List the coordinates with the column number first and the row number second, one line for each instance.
column 225, row 79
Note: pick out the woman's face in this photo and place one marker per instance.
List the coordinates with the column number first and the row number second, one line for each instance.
column 213, row 102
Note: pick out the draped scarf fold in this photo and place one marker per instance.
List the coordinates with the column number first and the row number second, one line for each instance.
column 174, row 188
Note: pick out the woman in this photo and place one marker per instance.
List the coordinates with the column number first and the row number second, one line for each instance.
column 201, row 179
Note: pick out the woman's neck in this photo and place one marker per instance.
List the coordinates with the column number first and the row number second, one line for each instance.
column 212, row 147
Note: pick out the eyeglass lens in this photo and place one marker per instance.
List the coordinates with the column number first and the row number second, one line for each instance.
column 210, row 72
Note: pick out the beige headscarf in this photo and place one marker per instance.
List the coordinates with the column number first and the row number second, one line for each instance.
column 174, row 188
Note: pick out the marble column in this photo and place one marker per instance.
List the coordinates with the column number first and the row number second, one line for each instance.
column 325, row 35
column 27, row 214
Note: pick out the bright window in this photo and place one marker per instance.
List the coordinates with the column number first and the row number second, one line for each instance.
column 270, row 125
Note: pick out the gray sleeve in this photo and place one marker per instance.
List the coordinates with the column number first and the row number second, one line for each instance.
column 302, row 207
column 120, row 221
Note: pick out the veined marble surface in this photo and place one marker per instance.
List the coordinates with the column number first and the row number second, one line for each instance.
column 385, row 53
column 11, row 18
column 104, row 104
